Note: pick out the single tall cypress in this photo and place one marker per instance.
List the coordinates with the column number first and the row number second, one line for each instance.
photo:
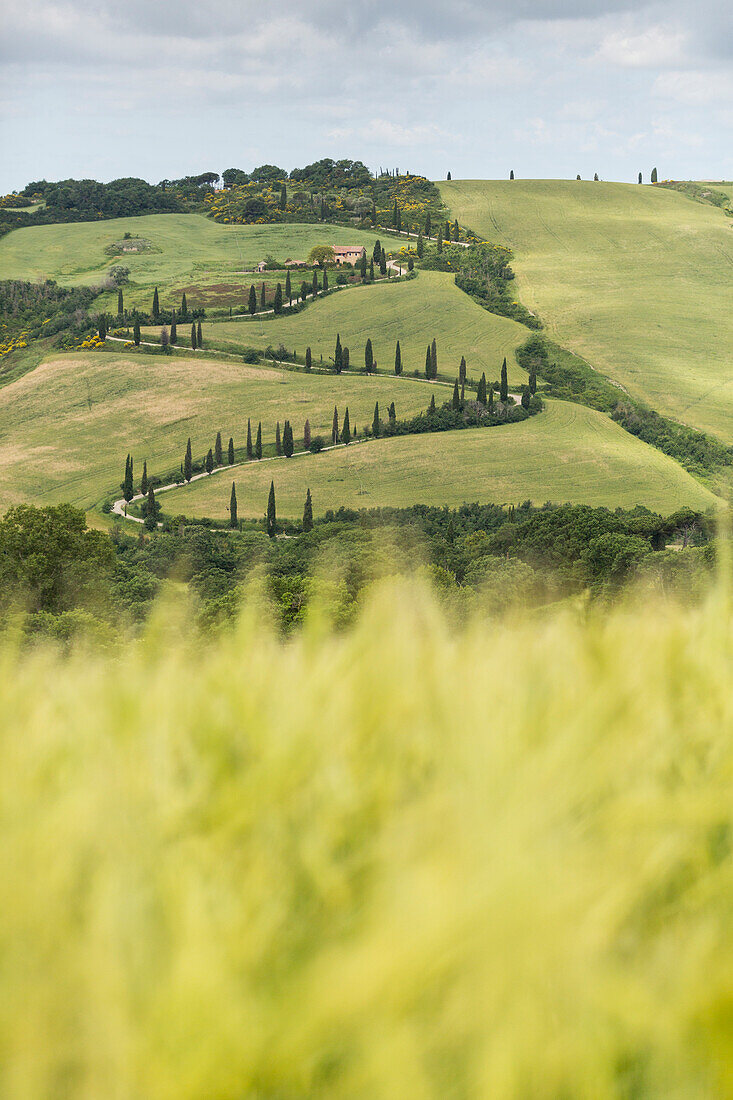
column 383, row 263
column 174, row 329
column 398, row 359
column 371, row 271
column 392, row 414
column 188, row 462
column 307, row 435
column 511, row 174
column 218, row 450
column 654, row 175
column 456, row 231
column 144, row 479
column 308, row 512
column 345, row 356
column 481, row 390
column 526, row 397
column 314, row 284
column 377, row 252
column 184, row 308
column 428, row 363
column 233, row 522
column 504, row 387
column 156, row 305
column 325, row 280
column 368, row 357
column 199, row 337
column 376, row 425
column 434, row 358
column 278, row 440
column 345, row 428
column 151, row 510
column 277, row 305
column 209, row 461
column 335, row 425
column 491, row 399
column 271, row 517
column 640, row 177
column 252, row 299
column 462, row 370
column 456, row 395
column 258, row 441
column 127, row 488
column 288, row 288
column 288, row 445
column 431, row 406
column 230, row 451
column 363, row 267
column 420, row 245
column 193, row 337
column 308, row 359
column 120, row 303
column 136, row 333
column 338, row 360
column 249, row 438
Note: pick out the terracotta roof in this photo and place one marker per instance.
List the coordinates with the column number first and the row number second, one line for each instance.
column 341, row 248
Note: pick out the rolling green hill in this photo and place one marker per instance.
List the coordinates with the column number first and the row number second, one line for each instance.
column 567, row 453
column 66, row 427
column 638, row 280
column 412, row 312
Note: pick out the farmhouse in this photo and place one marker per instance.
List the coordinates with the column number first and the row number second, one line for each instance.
column 348, row 253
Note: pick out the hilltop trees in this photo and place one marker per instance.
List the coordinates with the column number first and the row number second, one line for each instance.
column 188, row 462
column 640, row 178
column 398, row 359
column 271, row 516
column 233, row 521
column 511, row 174
column 308, row 512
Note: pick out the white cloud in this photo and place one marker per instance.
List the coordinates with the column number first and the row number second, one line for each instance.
column 654, row 47
column 695, row 88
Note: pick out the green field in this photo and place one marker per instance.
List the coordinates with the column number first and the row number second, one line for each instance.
column 567, row 453
column 191, row 248
column 412, row 312
column 66, row 426
column 638, row 280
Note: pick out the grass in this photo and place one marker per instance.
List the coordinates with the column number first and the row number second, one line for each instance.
column 372, row 863
column 191, row 248
column 412, row 312
column 635, row 279
column 567, row 453
column 66, row 426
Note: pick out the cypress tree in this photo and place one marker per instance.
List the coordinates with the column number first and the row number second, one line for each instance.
column 184, row 308
column 288, row 440
column 525, row 397
column 374, row 214
column 325, row 280
column 249, row 438
column 440, row 241
column 308, row 359
column 462, row 370
column 456, row 395
column 252, row 300
column 371, row 271
column 639, row 177
column 278, row 441
column 463, row 394
column 338, row 355
column 383, row 263
column 314, row 285
column 156, row 305
column 308, row 512
column 102, row 327
column 504, row 388
column 136, row 333
column 392, row 414
column 595, row 177
column 164, row 338
column 127, row 487
column 420, row 245
column 174, row 329
column 120, row 303
column 307, row 435
column 399, row 220
column 218, row 450
column 377, row 252
column 511, row 174
column 283, row 196
column 263, row 296
column 394, row 214
column 428, row 224
column 303, row 291
column 335, row 426
column 446, row 232
column 151, row 510
column 233, row 522
column 654, row 175
column 188, row 462
column 431, row 406
column 363, row 267
column 481, row 390
column 144, row 479
column 345, row 356
column 258, row 441
column 448, row 176
column 193, row 337
column 368, row 357
column 209, row 461
column 271, row 517
column 398, row 359
column 428, row 362
column 199, row 338
column 533, row 382
column 491, row 400
column 434, row 359
column 277, row 305
column 376, row 426
column 456, row 231
column 288, row 289
column 345, row 429
column 230, row 451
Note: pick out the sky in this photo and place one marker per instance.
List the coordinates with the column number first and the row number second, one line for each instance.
column 547, row 88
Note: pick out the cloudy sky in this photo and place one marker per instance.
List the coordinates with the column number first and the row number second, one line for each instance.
column 164, row 88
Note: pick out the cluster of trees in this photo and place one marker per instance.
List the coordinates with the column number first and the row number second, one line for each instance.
column 82, row 200
column 45, row 309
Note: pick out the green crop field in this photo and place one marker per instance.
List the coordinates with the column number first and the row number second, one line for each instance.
column 189, row 248
column 412, row 312
column 66, row 427
column 639, row 280
column 567, row 453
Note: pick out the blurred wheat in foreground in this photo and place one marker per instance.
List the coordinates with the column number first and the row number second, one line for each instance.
column 399, row 862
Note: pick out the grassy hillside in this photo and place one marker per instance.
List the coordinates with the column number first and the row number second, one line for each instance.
column 567, row 453
column 400, row 860
column 189, row 247
column 636, row 279
column 66, row 427
column 412, row 312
